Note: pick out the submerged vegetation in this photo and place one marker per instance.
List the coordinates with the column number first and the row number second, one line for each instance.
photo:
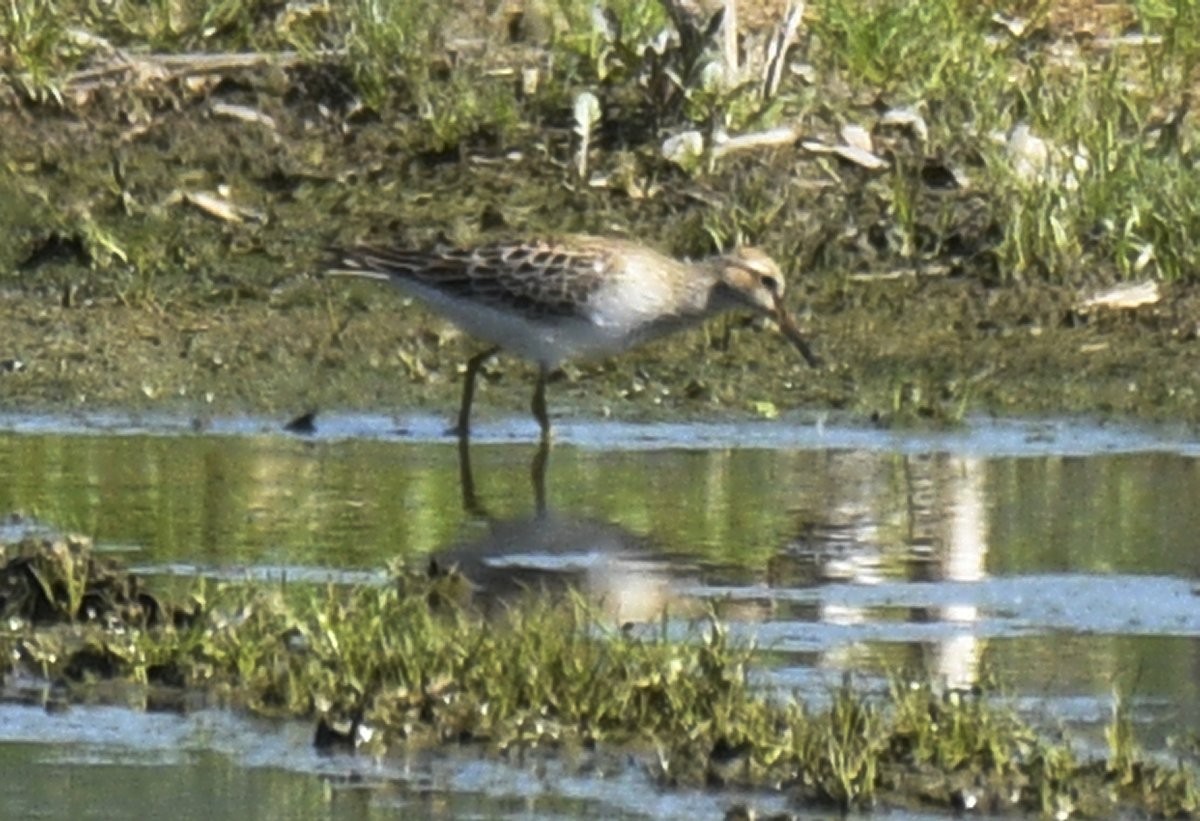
column 413, row 663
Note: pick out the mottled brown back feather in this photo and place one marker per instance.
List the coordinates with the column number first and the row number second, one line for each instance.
column 539, row 280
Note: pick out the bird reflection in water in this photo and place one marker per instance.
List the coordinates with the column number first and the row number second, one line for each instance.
column 550, row 551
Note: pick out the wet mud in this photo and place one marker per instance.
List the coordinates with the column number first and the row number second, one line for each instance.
column 116, row 290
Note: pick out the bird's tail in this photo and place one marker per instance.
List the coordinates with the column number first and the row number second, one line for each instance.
column 370, row 262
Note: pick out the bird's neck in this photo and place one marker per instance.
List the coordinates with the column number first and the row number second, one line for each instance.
column 722, row 298
column 716, row 296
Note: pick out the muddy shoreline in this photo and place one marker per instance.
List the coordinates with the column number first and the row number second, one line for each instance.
column 906, row 351
column 122, row 284
column 118, row 292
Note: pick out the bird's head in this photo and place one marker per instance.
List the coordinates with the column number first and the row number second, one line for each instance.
column 756, row 280
column 753, row 278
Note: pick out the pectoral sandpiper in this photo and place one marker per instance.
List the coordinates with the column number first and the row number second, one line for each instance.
column 550, row 301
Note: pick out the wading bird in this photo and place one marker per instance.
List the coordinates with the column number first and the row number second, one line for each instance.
column 576, row 297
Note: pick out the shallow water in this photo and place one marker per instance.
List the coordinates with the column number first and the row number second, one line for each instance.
column 109, row 763
column 1057, row 557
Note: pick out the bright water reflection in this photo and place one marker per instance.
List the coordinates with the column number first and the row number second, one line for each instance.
column 1063, row 563
column 115, row 764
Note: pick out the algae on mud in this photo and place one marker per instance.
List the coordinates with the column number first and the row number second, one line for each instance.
column 412, row 662
column 160, row 229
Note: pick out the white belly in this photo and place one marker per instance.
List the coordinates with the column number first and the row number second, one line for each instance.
column 549, row 341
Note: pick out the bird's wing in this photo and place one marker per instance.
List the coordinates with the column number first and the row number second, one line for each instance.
column 536, row 279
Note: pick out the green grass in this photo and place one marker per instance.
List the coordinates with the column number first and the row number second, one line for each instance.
column 1130, row 211
column 920, row 49
column 36, row 53
column 416, row 664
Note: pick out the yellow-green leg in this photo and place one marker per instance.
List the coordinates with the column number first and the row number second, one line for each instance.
column 463, row 429
column 539, row 405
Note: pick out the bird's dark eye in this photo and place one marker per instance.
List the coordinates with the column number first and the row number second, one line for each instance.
column 770, row 283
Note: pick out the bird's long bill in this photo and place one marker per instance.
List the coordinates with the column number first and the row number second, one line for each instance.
column 791, row 331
